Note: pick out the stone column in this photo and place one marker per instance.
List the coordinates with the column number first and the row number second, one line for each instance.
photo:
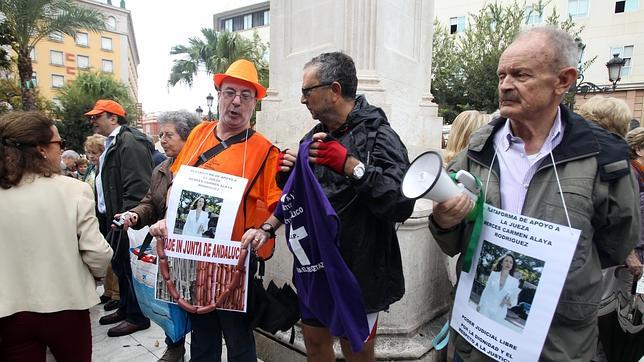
column 390, row 42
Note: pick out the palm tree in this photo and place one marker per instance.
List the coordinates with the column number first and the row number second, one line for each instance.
column 215, row 51
column 29, row 21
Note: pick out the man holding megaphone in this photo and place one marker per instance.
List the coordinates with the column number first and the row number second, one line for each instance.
column 590, row 189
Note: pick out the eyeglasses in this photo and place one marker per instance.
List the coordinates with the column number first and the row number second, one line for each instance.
column 307, row 91
column 229, row 95
column 166, row 135
column 61, row 143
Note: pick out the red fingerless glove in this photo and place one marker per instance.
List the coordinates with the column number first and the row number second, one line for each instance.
column 333, row 155
column 280, row 159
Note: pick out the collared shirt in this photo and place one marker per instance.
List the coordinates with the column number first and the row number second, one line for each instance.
column 100, row 196
column 517, row 167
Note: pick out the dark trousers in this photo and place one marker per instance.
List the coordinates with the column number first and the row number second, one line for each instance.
column 128, row 304
column 207, row 330
column 170, row 344
column 25, row 336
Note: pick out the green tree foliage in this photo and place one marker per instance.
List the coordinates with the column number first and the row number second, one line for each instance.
column 464, row 65
column 79, row 96
column 26, row 22
column 214, row 52
column 5, row 39
column 447, row 86
column 10, row 97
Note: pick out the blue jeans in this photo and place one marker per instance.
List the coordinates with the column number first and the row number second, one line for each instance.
column 207, row 330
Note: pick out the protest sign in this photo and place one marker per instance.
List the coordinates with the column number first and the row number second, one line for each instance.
column 202, row 207
column 505, row 305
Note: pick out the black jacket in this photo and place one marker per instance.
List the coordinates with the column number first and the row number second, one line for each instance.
column 369, row 208
column 126, row 171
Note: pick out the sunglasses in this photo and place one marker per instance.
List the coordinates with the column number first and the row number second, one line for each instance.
column 60, row 142
column 96, row 116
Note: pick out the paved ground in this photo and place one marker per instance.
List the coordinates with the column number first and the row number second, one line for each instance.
column 142, row 346
column 147, row 345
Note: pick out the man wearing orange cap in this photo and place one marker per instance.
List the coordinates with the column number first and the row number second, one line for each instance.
column 122, row 181
column 244, row 153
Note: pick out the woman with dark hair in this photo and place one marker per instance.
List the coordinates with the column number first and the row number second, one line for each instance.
column 52, row 251
column 197, row 220
column 501, row 290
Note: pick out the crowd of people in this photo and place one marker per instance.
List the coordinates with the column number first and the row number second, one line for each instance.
column 531, row 155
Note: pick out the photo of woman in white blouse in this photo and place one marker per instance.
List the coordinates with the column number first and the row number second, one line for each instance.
column 501, row 290
column 197, row 221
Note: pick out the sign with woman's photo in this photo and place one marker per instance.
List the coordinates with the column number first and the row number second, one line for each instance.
column 202, row 207
column 504, row 305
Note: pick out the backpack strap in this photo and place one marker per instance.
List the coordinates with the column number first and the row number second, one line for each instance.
column 221, row 146
column 254, row 180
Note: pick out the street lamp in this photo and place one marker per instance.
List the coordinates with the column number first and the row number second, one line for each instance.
column 615, row 69
column 614, row 66
column 209, row 100
column 199, row 112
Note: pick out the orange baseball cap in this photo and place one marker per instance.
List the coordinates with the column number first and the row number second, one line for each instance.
column 244, row 70
column 106, row 105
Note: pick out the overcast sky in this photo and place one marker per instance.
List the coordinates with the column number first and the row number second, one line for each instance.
column 159, row 25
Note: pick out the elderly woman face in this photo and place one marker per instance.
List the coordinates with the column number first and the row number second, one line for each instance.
column 70, row 163
column 170, row 140
column 92, row 156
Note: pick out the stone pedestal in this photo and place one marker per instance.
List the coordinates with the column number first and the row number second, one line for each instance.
column 407, row 330
column 390, row 42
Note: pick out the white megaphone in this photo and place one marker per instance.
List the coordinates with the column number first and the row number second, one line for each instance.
column 426, row 178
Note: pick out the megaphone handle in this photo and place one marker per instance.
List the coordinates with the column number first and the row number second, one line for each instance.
column 468, row 181
column 467, row 192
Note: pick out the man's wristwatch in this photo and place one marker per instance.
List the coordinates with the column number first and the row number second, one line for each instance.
column 358, row 171
column 269, row 229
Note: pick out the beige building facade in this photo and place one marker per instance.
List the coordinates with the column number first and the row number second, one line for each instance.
column 610, row 27
column 246, row 20
column 59, row 58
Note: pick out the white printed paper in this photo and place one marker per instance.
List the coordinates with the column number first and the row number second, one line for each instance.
column 202, row 207
column 505, row 304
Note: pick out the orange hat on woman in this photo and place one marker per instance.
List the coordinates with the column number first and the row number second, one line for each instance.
column 244, row 70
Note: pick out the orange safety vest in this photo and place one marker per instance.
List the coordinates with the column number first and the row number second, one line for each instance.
column 261, row 157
